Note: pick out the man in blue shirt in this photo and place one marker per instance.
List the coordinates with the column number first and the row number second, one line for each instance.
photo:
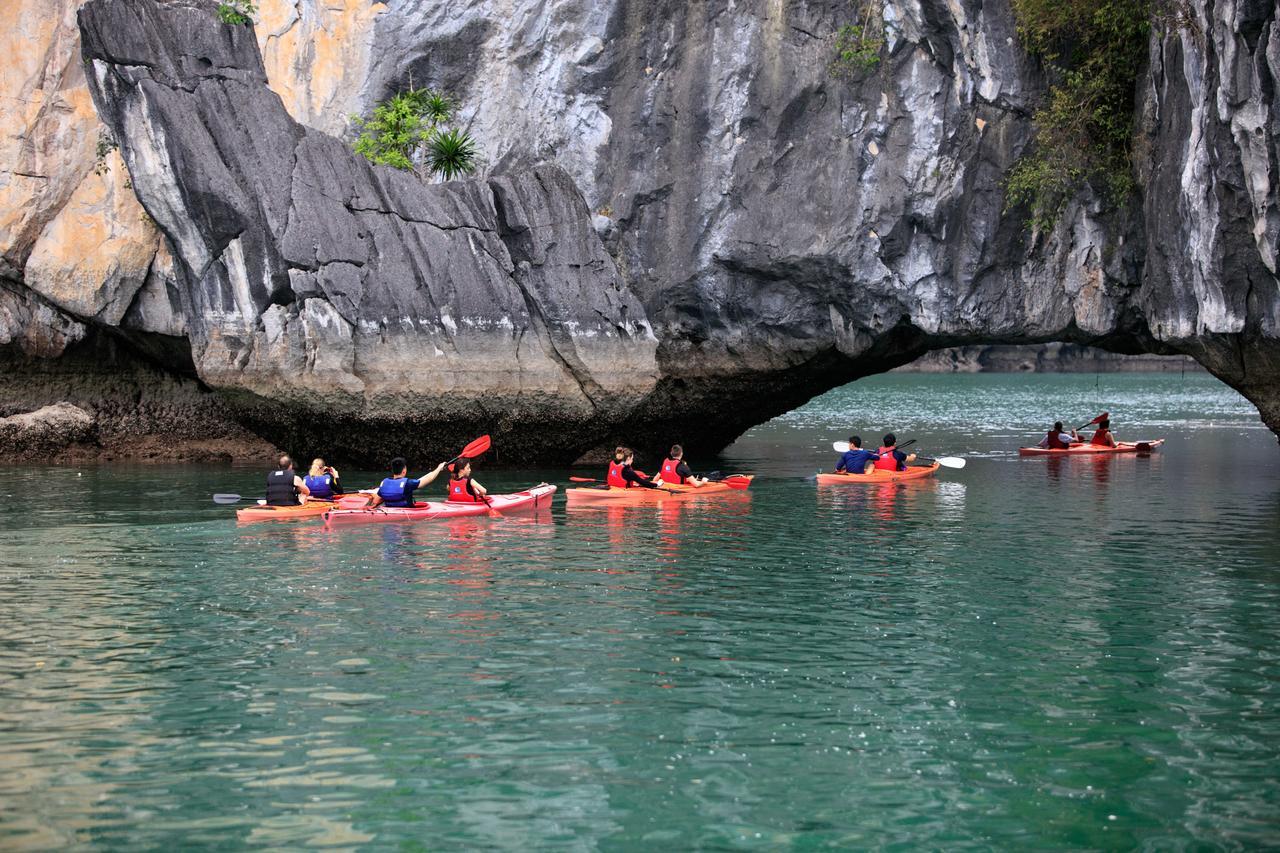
column 855, row 460
column 397, row 490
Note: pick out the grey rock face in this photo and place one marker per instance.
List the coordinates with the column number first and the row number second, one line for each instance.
column 351, row 307
column 776, row 230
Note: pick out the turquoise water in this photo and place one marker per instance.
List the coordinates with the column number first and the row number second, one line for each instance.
column 1026, row 654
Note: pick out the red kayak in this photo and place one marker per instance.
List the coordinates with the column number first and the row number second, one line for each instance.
column 1086, row 449
column 535, row 498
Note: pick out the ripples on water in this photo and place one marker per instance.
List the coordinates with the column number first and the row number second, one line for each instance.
column 1028, row 653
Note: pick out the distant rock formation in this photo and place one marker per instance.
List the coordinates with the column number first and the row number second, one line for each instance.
column 1045, row 358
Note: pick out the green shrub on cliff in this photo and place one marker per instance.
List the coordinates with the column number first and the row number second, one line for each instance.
column 236, row 11
column 408, row 129
column 1093, row 51
column 858, row 44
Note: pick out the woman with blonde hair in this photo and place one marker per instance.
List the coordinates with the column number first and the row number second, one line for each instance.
column 322, row 481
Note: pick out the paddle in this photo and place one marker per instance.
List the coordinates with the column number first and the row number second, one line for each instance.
column 229, row 499
column 843, row 446
column 1099, row 419
column 342, row 500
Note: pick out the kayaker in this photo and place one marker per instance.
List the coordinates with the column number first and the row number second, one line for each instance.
column 397, row 490
column 322, row 481
column 1057, row 439
column 1102, row 436
column 676, row 470
column 855, row 460
column 890, row 457
column 463, row 489
column 284, row 486
column 622, row 476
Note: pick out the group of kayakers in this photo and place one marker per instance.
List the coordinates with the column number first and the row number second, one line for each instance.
column 322, row 483
column 858, row 460
column 1058, row 439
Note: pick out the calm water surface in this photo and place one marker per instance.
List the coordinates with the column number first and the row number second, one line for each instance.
column 1026, row 654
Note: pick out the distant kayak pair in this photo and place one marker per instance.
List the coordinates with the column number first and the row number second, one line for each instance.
column 1087, row 449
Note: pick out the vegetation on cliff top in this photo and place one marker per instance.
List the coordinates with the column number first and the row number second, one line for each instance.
column 1093, row 51
column 408, row 131
column 858, row 44
column 237, row 12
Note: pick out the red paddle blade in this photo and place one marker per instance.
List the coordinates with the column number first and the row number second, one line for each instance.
column 476, row 448
column 1100, row 418
column 583, row 480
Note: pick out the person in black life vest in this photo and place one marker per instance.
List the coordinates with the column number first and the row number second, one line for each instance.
column 322, row 481
column 891, row 458
column 397, row 490
column 675, row 470
column 463, row 489
column 622, row 476
column 284, row 486
column 1057, row 439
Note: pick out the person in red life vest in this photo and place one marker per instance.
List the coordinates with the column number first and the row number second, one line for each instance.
column 622, row 476
column 1057, row 439
column 463, row 489
column 284, row 486
column 1102, row 436
column 891, row 458
column 675, row 470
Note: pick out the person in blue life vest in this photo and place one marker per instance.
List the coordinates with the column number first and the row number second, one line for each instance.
column 284, row 486
column 676, row 471
column 891, row 458
column 463, row 489
column 397, row 490
column 322, row 481
column 855, row 460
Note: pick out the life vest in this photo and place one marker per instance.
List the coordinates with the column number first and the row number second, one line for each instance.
column 670, row 471
column 887, row 461
column 615, row 477
column 1055, row 443
column 1102, row 438
column 321, row 486
column 280, row 488
column 460, row 492
column 394, row 491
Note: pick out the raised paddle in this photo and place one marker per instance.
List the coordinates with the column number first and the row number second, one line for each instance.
column 944, row 461
column 1099, row 419
column 478, row 447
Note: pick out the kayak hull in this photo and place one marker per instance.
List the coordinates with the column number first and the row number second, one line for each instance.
column 878, row 475
column 535, row 498
column 1094, row 450
column 614, row 495
column 310, row 509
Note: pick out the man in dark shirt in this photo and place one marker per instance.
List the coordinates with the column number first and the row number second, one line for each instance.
column 855, row 460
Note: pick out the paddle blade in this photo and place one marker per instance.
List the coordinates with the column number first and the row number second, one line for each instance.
column 359, row 500
column 583, row 480
column 476, row 448
column 227, row 499
column 951, row 461
column 737, row 481
column 840, row 446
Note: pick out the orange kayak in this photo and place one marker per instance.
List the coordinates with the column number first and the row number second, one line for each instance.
column 878, row 475
column 614, row 495
column 310, row 509
column 1094, row 449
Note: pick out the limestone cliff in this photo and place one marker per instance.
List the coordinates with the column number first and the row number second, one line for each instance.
column 778, row 230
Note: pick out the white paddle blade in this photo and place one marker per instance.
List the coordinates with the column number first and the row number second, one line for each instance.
column 952, row 461
column 227, row 499
column 840, row 447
